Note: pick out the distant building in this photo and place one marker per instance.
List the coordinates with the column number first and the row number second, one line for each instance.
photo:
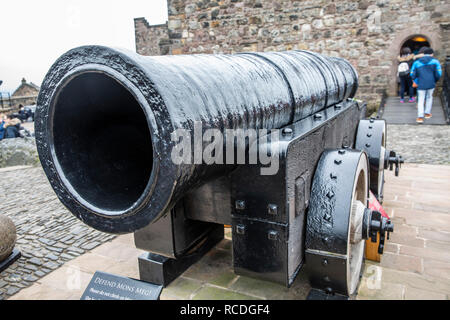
column 26, row 90
column 369, row 33
column 25, row 94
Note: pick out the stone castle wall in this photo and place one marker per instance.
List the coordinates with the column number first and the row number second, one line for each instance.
column 151, row 40
column 368, row 33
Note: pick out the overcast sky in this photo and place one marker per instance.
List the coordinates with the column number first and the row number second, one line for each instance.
column 34, row 33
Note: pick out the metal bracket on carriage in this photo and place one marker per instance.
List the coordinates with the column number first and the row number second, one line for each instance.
column 374, row 222
column 392, row 159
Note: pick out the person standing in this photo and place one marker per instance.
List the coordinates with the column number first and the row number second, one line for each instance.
column 405, row 61
column 425, row 72
column 2, row 127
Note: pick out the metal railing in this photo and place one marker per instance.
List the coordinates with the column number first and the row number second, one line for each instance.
column 5, row 100
column 445, row 95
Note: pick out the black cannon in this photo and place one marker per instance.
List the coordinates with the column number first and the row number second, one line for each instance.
column 106, row 131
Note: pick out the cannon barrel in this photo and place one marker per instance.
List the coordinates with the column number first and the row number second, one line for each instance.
column 105, row 116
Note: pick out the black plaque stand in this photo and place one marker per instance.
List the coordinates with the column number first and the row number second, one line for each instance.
column 161, row 270
column 13, row 257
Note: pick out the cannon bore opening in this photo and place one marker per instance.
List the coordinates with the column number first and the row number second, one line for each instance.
column 102, row 142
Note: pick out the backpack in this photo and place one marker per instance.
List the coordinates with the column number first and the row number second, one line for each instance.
column 403, row 69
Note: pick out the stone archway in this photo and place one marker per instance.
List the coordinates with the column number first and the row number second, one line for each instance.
column 401, row 37
column 414, row 44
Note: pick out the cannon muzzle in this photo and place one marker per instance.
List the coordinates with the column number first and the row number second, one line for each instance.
column 105, row 117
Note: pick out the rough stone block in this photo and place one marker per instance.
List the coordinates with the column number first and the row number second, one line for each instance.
column 259, row 288
column 402, row 262
column 387, row 291
column 213, row 293
column 421, row 282
column 181, row 288
column 427, row 253
column 417, row 294
column 224, row 279
column 7, row 236
column 438, row 269
column 18, row 151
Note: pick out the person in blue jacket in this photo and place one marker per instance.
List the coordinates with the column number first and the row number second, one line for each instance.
column 2, row 127
column 425, row 72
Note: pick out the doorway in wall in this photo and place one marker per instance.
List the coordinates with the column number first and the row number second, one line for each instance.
column 415, row 43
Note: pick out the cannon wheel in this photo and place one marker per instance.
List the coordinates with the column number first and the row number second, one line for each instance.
column 371, row 137
column 334, row 245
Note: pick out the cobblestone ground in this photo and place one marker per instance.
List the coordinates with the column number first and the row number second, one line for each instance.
column 415, row 264
column 47, row 234
column 420, row 143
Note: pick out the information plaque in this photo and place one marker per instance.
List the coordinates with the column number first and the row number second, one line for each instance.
column 105, row 286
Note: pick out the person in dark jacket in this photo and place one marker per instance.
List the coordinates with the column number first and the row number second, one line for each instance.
column 405, row 61
column 425, row 72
